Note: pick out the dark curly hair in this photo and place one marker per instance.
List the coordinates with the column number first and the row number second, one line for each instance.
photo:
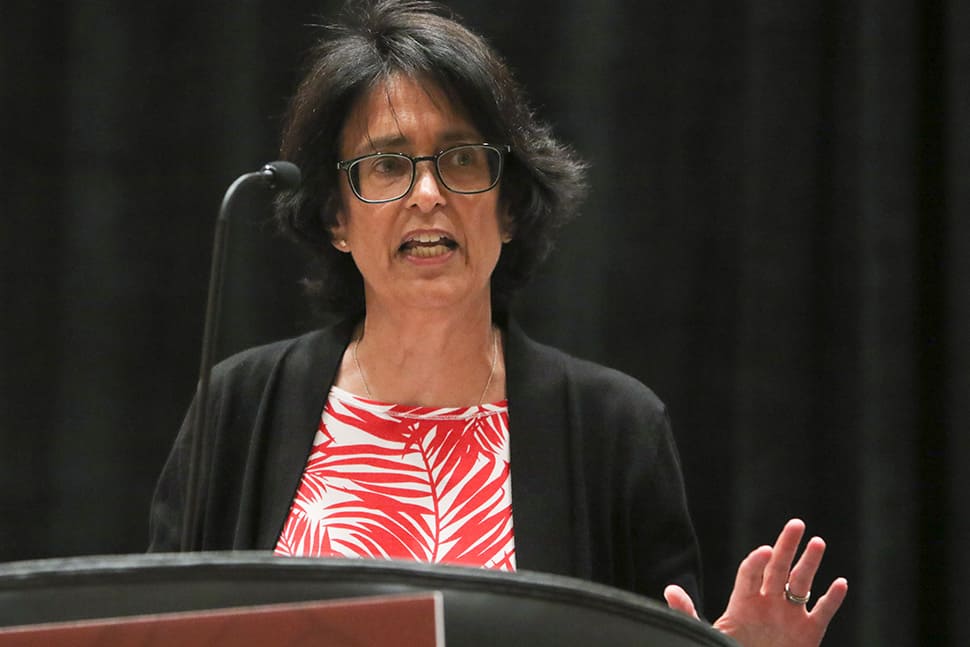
column 543, row 181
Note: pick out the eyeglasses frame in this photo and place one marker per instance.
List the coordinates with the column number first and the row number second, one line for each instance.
column 501, row 149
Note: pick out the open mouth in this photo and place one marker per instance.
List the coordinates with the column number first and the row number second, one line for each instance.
column 427, row 245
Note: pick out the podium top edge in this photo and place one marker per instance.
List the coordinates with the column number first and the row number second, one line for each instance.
column 260, row 565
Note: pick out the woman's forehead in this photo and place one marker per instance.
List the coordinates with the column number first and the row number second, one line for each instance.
column 398, row 111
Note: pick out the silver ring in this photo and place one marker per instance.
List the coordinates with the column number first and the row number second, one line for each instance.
column 796, row 599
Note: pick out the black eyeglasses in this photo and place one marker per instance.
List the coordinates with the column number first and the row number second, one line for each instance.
column 384, row 177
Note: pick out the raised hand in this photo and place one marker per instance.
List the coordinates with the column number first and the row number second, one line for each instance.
column 768, row 606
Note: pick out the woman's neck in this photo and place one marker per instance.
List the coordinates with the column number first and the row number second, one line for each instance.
column 437, row 358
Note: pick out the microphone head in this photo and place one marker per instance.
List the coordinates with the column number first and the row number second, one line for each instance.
column 281, row 175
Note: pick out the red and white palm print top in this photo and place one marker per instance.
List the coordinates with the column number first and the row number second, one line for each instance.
column 399, row 482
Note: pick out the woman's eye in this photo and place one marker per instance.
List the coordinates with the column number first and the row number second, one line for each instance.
column 465, row 157
column 389, row 166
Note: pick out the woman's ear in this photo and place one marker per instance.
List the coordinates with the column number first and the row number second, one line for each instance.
column 338, row 233
column 507, row 225
column 341, row 244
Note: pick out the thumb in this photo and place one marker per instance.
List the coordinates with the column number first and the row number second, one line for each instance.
column 678, row 600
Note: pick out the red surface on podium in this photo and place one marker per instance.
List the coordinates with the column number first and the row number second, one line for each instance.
column 398, row 620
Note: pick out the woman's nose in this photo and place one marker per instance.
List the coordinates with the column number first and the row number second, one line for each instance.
column 427, row 192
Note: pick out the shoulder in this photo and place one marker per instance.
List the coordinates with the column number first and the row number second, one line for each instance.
column 594, row 391
column 297, row 355
column 586, row 379
column 263, row 355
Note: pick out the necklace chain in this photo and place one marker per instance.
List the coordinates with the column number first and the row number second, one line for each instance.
column 488, row 382
column 360, row 371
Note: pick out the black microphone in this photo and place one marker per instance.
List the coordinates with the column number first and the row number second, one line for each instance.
column 280, row 175
column 275, row 176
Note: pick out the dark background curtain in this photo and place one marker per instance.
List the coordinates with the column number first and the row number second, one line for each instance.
column 777, row 242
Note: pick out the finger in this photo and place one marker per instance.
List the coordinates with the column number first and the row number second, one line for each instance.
column 678, row 600
column 751, row 572
column 803, row 574
column 782, row 555
column 828, row 604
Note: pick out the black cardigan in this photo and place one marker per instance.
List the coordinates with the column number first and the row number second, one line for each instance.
column 597, row 491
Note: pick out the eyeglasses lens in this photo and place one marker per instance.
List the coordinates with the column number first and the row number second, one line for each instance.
column 463, row 169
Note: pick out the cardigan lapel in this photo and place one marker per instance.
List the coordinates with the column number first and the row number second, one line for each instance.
column 540, row 432
column 300, row 390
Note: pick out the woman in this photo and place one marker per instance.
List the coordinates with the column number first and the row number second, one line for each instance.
column 425, row 424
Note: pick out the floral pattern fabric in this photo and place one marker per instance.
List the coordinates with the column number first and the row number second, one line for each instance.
column 397, row 482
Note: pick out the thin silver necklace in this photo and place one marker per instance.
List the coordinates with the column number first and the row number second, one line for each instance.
column 488, row 382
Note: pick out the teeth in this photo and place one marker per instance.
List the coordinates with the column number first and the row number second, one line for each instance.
column 428, row 252
column 427, row 245
column 426, row 238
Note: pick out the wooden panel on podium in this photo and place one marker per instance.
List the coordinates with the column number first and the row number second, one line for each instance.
column 413, row 620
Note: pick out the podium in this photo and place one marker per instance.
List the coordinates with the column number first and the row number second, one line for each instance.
column 480, row 607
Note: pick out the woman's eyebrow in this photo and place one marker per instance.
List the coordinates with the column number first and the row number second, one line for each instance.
column 394, row 143
column 382, row 144
column 461, row 136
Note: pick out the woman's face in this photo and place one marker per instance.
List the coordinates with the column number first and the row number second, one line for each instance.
column 432, row 248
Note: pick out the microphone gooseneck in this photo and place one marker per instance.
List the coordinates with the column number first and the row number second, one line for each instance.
column 275, row 176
